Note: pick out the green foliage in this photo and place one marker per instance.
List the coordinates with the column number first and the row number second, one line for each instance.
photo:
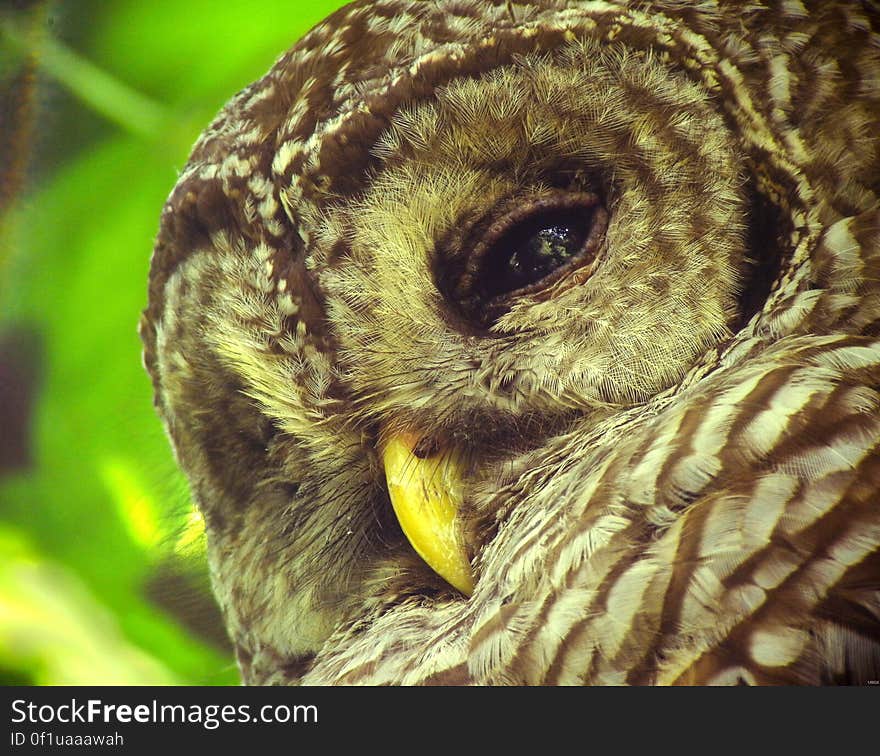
column 102, row 575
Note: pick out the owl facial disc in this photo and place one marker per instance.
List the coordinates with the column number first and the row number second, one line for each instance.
column 425, row 492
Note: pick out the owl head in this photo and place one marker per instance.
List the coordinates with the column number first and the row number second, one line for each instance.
column 421, row 302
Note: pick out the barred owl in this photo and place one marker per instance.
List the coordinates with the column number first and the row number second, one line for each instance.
column 536, row 343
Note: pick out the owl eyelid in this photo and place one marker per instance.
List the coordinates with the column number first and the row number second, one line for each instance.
column 471, row 295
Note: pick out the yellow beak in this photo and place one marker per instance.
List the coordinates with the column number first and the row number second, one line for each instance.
column 426, row 494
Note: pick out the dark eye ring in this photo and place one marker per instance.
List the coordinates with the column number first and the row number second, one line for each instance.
column 528, row 249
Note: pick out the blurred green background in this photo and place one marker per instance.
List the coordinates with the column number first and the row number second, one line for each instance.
column 102, row 575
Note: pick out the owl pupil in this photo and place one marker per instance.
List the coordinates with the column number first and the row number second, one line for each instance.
column 522, row 251
column 532, row 250
column 543, row 252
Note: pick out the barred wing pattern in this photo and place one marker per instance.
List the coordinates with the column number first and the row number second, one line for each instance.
column 715, row 522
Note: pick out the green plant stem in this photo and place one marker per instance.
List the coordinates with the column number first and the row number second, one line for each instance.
column 97, row 89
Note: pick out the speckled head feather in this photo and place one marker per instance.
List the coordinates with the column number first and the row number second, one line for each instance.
column 670, row 426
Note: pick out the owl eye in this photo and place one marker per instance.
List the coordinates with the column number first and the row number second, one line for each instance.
column 529, row 248
column 533, row 249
